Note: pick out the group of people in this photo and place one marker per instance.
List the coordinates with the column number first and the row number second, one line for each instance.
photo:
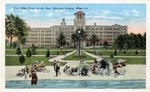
column 30, row 70
column 102, row 67
column 105, row 67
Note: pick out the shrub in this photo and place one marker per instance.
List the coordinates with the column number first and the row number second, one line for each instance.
column 100, row 54
column 21, row 59
column 18, row 51
column 111, row 56
column 48, row 53
column 115, row 52
column 28, row 53
column 57, row 52
column 33, row 50
column 136, row 52
column 124, row 52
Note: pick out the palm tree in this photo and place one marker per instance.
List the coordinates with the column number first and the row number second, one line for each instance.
column 93, row 40
column 75, row 37
column 82, row 34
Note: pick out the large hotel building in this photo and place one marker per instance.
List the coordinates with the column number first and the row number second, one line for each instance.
column 46, row 37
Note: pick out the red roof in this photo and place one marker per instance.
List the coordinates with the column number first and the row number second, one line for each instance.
column 79, row 12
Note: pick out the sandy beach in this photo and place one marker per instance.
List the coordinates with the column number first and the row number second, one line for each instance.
column 133, row 72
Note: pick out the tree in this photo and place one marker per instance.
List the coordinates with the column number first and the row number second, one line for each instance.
column 141, row 41
column 130, row 42
column 28, row 53
column 144, row 40
column 14, row 45
column 120, row 41
column 10, row 27
column 6, row 43
column 93, row 40
column 83, row 34
column 18, row 51
column 15, row 27
column 48, row 53
column 105, row 44
column 61, row 41
column 21, row 59
column 33, row 50
column 74, row 39
column 23, row 41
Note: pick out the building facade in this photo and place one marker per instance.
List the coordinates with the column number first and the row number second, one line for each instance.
column 46, row 37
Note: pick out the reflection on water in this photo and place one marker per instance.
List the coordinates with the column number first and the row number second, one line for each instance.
column 96, row 84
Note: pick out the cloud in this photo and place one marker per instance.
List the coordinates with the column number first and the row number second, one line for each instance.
column 50, row 14
column 105, row 17
column 35, row 11
column 124, row 12
column 69, row 17
column 135, row 12
column 107, row 11
column 132, row 12
column 11, row 10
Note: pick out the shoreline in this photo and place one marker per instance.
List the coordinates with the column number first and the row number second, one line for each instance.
column 133, row 72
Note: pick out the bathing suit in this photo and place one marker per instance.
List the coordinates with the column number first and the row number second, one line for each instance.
column 34, row 79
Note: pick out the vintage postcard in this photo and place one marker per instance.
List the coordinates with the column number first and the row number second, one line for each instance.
column 75, row 46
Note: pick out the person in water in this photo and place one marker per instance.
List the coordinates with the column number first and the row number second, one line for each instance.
column 34, row 78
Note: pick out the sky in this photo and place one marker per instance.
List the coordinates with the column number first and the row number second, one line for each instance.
column 46, row 15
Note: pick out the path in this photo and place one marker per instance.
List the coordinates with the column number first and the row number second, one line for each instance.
column 72, row 63
column 60, row 57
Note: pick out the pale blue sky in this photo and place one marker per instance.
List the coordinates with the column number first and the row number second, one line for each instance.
column 132, row 15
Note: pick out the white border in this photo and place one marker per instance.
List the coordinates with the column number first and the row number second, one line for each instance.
column 2, row 45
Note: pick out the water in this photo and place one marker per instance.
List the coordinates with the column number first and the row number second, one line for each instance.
column 93, row 84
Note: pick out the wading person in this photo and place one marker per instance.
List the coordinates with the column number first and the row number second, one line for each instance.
column 34, row 78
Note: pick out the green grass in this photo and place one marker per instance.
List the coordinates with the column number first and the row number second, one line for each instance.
column 13, row 61
column 129, row 60
column 45, row 49
column 38, row 52
column 128, row 53
column 109, row 49
column 74, row 57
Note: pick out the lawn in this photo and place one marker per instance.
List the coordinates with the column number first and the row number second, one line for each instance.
column 129, row 60
column 38, row 52
column 82, row 57
column 128, row 53
column 109, row 49
column 45, row 49
column 13, row 60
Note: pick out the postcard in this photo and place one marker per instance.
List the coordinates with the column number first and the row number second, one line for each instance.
column 75, row 46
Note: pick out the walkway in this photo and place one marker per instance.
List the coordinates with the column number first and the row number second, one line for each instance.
column 73, row 63
column 60, row 57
